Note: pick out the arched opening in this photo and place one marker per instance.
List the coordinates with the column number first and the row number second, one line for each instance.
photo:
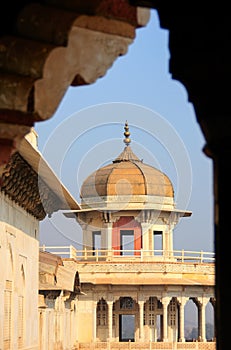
column 173, row 321
column 102, row 319
column 209, row 315
column 121, row 237
column 127, row 319
column 191, row 321
column 153, row 319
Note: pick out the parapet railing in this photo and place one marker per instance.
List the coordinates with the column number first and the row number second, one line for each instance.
column 209, row 345
column 128, row 255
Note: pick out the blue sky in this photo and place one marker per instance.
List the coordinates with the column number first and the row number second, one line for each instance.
column 86, row 132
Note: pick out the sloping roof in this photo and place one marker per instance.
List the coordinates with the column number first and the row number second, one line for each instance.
column 34, row 157
column 53, row 275
column 30, row 182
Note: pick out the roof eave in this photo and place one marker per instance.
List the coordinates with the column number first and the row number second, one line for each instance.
column 35, row 159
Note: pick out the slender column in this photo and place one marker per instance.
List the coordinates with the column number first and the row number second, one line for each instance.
column 145, row 237
column 141, row 311
column 165, row 240
column 170, row 240
column 181, row 328
column 109, row 236
column 110, row 315
column 168, row 235
column 106, row 242
column 203, row 323
column 165, row 302
column 94, row 320
column 201, row 318
column 87, row 237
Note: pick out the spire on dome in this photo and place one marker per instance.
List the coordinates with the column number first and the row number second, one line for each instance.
column 127, row 154
column 127, row 140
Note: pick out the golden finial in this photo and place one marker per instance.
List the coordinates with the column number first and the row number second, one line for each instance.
column 127, row 140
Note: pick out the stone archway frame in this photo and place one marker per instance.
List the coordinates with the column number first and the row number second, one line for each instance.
column 43, row 58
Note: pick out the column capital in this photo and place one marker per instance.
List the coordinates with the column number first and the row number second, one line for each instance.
column 83, row 226
column 165, row 300
column 108, row 218
column 109, row 298
column 146, row 226
column 182, row 300
column 203, row 300
column 146, row 217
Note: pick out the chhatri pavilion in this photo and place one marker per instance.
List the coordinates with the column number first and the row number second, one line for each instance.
column 132, row 291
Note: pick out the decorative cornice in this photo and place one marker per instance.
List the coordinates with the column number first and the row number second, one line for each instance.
column 23, row 185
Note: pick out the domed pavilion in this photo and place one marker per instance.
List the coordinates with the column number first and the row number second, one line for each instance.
column 135, row 285
column 127, row 203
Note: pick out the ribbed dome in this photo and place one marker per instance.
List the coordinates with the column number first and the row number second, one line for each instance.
column 127, row 175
